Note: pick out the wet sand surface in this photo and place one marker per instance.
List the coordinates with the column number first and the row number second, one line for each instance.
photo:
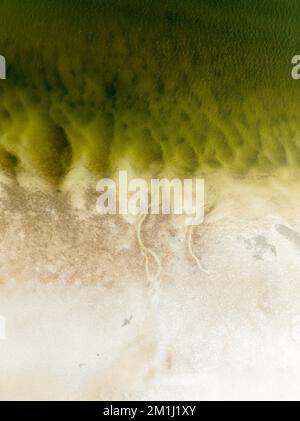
column 85, row 321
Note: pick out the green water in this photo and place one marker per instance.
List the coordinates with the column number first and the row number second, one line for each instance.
column 202, row 86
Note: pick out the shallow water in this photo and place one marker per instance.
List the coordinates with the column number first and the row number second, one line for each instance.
column 196, row 87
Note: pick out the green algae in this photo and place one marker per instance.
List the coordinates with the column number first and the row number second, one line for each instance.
column 199, row 87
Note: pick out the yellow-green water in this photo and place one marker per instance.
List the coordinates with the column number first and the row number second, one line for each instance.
column 200, row 87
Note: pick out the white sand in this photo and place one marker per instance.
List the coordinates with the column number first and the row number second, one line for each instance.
column 70, row 281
